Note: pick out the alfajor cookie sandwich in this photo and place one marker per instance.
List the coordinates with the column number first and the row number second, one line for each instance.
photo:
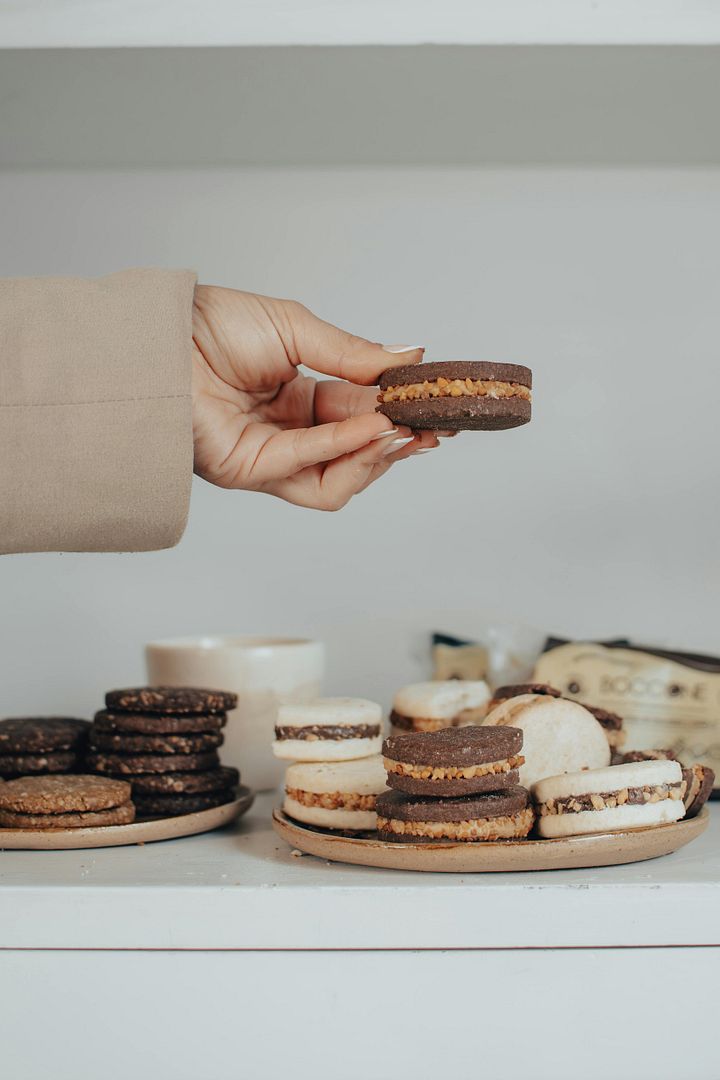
column 429, row 706
column 604, row 800
column 500, row 815
column 335, row 794
column 328, row 729
column 559, row 736
column 610, row 722
column 699, row 782
column 454, row 761
column 457, row 395
column 504, row 693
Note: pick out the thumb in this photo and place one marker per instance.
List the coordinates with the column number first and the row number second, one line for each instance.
column 323, row 347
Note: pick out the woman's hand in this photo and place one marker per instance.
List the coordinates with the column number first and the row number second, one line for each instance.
column 260, row 424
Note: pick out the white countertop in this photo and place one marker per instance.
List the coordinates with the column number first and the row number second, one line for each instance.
column 241, row 888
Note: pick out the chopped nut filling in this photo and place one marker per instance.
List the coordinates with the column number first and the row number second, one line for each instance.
column 336, row 732
column 332, row 800
column 452, row 772
column 575, row 804
column 454, row 388
column 499, row 828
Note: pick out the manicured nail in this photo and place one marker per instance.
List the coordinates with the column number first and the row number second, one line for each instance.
column 384, row 434
column 423, row 450
column 402, row 348
column 397, row 444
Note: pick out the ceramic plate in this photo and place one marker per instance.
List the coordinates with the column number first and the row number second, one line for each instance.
column 140, row 832
column 572, row 852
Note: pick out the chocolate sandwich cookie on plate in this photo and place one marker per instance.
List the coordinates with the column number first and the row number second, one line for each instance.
column 456, row 395
column 612, row 725
column 500, row 815
column 605, row 800
column 175, row 700
column 558, row 735
column 329, row 729
column 454, row 761
column 429, row 706
column 504, row 693
column 335, row 794
column 699, row 782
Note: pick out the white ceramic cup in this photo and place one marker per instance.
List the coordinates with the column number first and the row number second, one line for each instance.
column 263, row 671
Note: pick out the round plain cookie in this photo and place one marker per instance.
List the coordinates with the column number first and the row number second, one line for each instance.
column 475, row 395
column 170, row 699
column 559, row 736
column 158, row 723
column 618, row 797
column 123, row 743
column 335, row 795
column 117, row 815
column 62, row 794
column 126, row 764
column 180, row 783
column 176, row 805
column 454, row 761
column 39, row 734
column 55, row 761
column 502, row 815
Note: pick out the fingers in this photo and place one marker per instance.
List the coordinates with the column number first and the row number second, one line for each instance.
column 335, row 400
column 286, row 453
column 324, row 347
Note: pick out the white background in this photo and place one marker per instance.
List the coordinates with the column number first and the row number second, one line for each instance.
column 600, row 518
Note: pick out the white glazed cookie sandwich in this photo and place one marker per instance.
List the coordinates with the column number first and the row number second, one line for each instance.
column 430, row 706
column 329, row 729
column 603, row 800
column 335, row 794
column 559, row 736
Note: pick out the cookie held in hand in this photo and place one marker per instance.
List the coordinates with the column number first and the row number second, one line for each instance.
column 456, row 395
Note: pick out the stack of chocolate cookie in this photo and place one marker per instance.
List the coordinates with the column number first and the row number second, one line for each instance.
column 165, row 741
column 38, row 745
column 454, row 784
column 65, row 802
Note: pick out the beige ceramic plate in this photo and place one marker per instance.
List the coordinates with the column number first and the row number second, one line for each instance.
column 140, row 832
column 602, row 849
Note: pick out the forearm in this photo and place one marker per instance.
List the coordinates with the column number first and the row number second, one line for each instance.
column 95, row 412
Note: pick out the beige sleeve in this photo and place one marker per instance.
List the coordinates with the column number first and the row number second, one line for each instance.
column 95, row 412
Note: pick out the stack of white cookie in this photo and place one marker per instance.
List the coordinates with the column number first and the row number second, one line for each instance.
column 337, row 770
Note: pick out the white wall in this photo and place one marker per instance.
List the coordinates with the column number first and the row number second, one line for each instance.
column 602, row 517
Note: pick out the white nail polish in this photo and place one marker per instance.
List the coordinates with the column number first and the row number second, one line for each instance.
column 384, row 434
column 397, row 444
column 402, row 348
column 424, row 450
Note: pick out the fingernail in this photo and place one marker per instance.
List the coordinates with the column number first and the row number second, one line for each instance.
column 397, row 444
column 384, row 434
column 423, row 450
column 402, row 348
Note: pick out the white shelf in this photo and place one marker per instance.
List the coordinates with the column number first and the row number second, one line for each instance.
column 117, row 23
column 242, row 889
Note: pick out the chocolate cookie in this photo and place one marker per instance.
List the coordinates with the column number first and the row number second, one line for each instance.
column 175, row 805
column 180, row 783
column 58, row 761
column 170, row 699
column 501, row 815
column 612, row 725
column 39, row 734
column 122, row 743
column 129, row 764
column 158, row 723
column 645, row 755
column 117, row 815
column 699, row 780
column 62, row 794
column 456, row 395
column 454, row 761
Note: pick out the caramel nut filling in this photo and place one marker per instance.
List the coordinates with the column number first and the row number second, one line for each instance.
column 452, row 772
column 441, row 387
column 336, row 732
column 575, row 804
column 332, row 800
column 499, row 828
